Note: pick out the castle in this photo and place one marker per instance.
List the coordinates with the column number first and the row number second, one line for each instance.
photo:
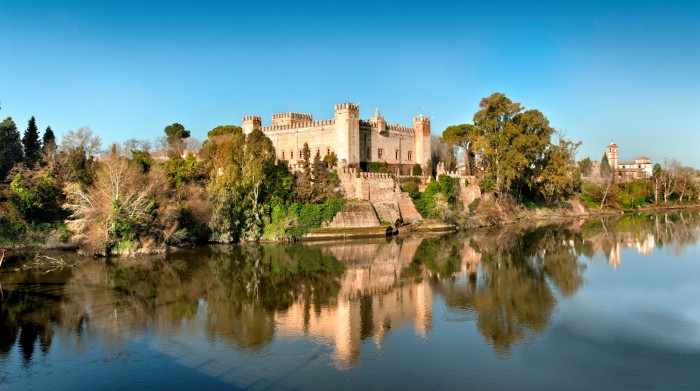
column 355, row 142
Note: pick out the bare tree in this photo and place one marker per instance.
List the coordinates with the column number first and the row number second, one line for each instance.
column 82, row 138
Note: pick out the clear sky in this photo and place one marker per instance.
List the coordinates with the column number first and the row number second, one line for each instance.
column 601, row 70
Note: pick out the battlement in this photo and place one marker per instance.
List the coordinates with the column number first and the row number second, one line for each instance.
column 299, row 125
column 399, row 128
column 421, row 118
column 252, row 118
column 296, row 116
column 366, row 175
column 347, row 106
column 290, row 118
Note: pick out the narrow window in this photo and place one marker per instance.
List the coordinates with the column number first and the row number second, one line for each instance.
column 410, row 155
column 291, row 154
column 397, row 155
column 380, row 152
column 282, row 155
column 328, row 151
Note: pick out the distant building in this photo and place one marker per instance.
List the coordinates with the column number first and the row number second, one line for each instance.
column 639, row 169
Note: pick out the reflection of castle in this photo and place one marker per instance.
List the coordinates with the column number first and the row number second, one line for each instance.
column 371, row 301
column 644, row 245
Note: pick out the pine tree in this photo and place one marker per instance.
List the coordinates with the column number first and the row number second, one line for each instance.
column 10, row 146
column 32, row 146
column 48, row 144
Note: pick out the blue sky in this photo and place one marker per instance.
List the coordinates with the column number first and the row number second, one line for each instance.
column 601, row 71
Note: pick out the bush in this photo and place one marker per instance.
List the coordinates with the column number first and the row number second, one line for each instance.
column 378, row 167
column 295, row 220
column 417, row 170
column 431, row 203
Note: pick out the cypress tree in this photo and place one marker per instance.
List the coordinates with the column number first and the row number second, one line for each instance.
column 32, row 146
column 48, row 143
column 605, row 168
column 10, row 146
column 49, row 138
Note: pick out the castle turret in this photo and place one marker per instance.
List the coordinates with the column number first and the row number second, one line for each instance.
column 347, row 127
column 250, row 123
column 421, row 139
column 379, row 121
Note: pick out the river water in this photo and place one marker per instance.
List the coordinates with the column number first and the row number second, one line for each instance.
column 600, row 304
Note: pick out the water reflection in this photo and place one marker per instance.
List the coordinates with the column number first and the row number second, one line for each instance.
column 504, row 279
column 507, row 282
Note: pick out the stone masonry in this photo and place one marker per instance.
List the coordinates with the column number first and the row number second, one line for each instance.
column 353, row 140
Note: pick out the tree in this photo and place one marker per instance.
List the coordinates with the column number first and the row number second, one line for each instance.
column 585, row 165
column 559, row 179
column 82, row 138
column 32, row 145
column 225, row 189
column 48, row 144
column 304, row 186
column 462, row 136
column 441, row 152
column 224, row 129
column 605, row 168
column 175, row 136
column 657, row 177
column 259, row 159
column 511, row 142
column 10, row 146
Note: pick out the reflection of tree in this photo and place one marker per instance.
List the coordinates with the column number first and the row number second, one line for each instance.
column 254, row 281
column 242, row 286
column 511, row 295
column 28, row 311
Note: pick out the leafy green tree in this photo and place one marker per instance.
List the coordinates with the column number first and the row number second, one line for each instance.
column 175, row 137
column 259, row 160
column 32, row 145
column 176, row 132
column 225, row 188
column 331, row 160
column 417, row 170
column 224, row 129
column 462, row 136
column 585, row 165
column 512, row 142
column 10, row 146
column 180, row 171
column 559, row 179
column 36, row 199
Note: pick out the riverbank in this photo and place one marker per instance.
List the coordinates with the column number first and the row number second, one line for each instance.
column 489, row 214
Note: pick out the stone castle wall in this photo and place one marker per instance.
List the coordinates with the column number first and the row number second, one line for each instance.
column 353, row 140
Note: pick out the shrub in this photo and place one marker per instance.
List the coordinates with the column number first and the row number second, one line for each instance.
column 417, row 170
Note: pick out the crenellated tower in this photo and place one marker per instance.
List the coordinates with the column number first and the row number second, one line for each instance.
column 421, row 139
column 250, row 123
column 347, row 127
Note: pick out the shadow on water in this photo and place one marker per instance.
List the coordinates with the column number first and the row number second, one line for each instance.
column 507, row 282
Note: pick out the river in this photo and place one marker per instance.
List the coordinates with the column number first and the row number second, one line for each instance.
column 598, row 304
